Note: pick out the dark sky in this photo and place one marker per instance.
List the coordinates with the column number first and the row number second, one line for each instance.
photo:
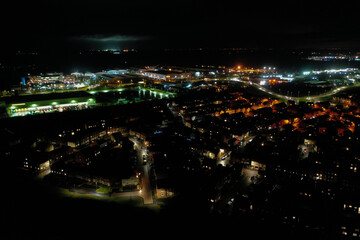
column 101, row 24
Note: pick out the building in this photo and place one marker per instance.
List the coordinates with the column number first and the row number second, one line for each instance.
column 165, row 74
column 131, row 183
column 164, row 188
column 44, row 79
column 36, row 161
column 85, row 137
column 43, row 103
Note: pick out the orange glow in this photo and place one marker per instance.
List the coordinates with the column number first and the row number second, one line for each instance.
column 273, row 81
column 352, row 127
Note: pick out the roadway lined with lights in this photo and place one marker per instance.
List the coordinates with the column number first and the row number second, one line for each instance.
column 309, row 98
column 146, row 191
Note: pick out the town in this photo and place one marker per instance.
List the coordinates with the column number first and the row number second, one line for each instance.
column 220, row 139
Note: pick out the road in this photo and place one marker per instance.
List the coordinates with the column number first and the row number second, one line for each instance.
column 313, row 98
column 144, row 167
column 127, row 194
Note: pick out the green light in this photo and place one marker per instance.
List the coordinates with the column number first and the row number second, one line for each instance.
column 54, row 103
column 73, row 101
column 34, row 105
column 92, row 92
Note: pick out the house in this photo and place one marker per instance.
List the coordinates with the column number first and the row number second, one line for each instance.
column 36, row 161
column 87, row 155
column 164, row 188
column 59, row 154
column 131, row 183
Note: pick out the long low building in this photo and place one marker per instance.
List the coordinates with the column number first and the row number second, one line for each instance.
column 43, row 103
column 165, row 74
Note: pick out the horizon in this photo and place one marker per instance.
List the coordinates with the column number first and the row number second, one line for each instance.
column 43, row 25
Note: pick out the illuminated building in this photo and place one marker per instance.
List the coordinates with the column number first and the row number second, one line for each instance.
column 53, row 81
column 35, row 104
column 47, row 78
column 36, row 161
column 164, row 188
column 117, row 71
column 165, row 74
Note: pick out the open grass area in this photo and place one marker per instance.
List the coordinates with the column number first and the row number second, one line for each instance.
column 134, row 201
column 103, row 190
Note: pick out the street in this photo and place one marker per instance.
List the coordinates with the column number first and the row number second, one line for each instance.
column 310, row 98
column 143, row 167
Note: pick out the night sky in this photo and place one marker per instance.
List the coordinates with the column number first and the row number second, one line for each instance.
column 88, row 24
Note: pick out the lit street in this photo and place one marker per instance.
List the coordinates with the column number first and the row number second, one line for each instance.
column 144, row 168
column 309, row 98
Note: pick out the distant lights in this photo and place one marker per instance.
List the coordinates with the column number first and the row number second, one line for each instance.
column 269, row 68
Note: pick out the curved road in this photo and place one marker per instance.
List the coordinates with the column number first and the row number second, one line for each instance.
column 310, row 98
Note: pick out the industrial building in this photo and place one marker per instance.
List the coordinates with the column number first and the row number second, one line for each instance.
column 165, row 74
column 43, row 103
